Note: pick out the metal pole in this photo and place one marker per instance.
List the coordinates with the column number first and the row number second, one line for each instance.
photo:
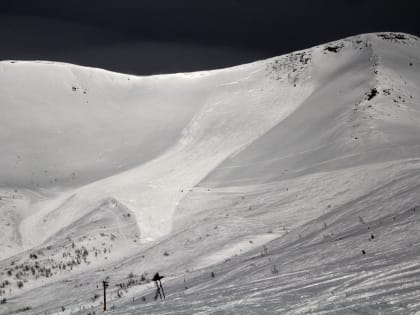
column 161, row 287
column 105, row 285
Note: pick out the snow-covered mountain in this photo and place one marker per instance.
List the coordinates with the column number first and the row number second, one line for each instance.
column 293, row 179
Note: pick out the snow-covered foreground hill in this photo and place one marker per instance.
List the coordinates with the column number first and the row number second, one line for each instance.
column 294, row 180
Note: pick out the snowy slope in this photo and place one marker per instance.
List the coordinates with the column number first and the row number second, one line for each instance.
column 223, row 102
column 294, row 179
column 338, row 125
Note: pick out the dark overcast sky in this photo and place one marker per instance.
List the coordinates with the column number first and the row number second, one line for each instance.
column 160, row 36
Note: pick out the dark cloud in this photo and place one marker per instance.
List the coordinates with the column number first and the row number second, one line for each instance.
column 355, row 3
column 183, row 35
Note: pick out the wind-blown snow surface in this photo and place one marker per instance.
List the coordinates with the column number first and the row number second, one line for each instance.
column 294, row 179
